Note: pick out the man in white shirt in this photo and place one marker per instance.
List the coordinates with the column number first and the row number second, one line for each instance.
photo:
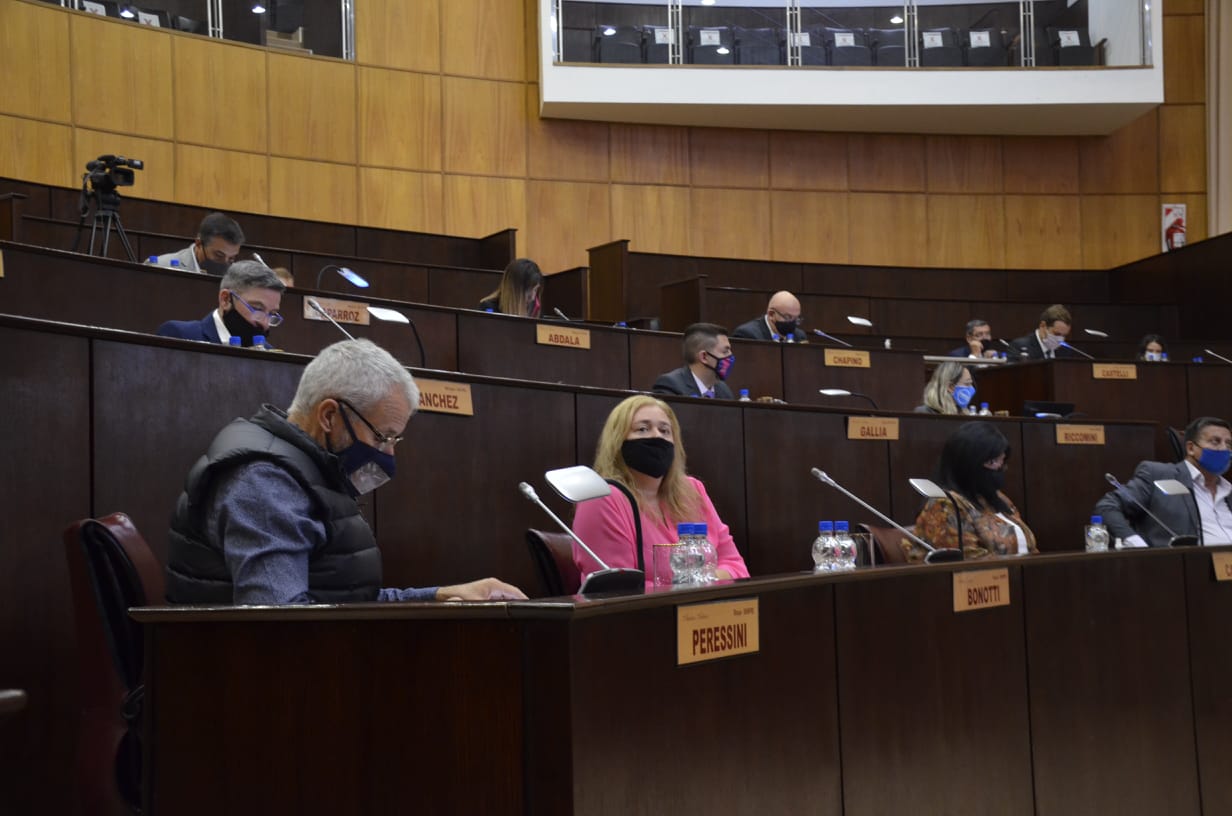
column 1204, row 512
column 215, row 248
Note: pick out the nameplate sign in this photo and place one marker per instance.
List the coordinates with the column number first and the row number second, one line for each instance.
column 981, row 589
column 1223, row 565
column 872, row 428
column 710, row 631
column 441, row 397
column 343, row 311
column 1114, row 371
column 547, row 335
column 1, row 263
column 1080, row 434
column 847, row 358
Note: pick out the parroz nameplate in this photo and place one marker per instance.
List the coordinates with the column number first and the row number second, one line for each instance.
column 981, row 589
column 442, row 397
column 343, row 311
column 847, row 358
column 1080, row 434
column 549, row 335
column 1114, row 371
column 1223, row 565
column 709, row 631
column 877, row 429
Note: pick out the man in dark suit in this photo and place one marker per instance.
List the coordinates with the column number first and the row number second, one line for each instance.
column 1045, row 342
column 708, row 361
column 1205, row 512
column 248, row 301
column 979, row 341
column 780, row 323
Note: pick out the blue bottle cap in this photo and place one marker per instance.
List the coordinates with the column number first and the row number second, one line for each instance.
column 258, row 340
column 152, row 259
column 699, row 529
column 841, row 527
column 825, row 526
column 235, row 340
column 744, row 392
column 683, row 529
column 175, row 261
column 1097, row 519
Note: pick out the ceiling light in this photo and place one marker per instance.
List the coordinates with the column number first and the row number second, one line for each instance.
column 707, row 2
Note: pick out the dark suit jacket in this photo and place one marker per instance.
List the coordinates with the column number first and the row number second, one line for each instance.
column 1030, row 344
column 203, row 330
column 757, row 329
column 681, row 382
column 1124, row 518
column 961, row 351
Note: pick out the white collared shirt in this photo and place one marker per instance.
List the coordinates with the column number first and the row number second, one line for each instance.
column 1214, row 512
column 702, row 388
column 774, row 334
column 1023, row 549
column 223, row 334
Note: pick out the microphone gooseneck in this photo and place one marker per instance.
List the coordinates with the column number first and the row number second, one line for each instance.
column 556, row 311
column 832, row 338
column 1218, row 356
column 825, row 478
column 529, row 493
column 1074, row 348
column 320, row 310
column 1122, row 491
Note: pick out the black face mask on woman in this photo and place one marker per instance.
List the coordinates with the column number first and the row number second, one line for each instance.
column 652, row 456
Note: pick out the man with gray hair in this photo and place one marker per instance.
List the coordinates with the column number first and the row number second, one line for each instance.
column 248, row 300
column 269, row 514
column 216, row 247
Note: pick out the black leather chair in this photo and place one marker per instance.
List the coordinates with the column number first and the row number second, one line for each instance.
column 758, row 46
column 888, row 543
column 1070, row 46
column 656, row 50
column 553, row 557
column 618, row 44
column 704, row 50
column 984, row 47
column 847, row 46
column 812, row 47
column 889, row 46
column 939, row 48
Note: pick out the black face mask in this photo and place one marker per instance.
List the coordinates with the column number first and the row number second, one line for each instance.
column 988, row 484
column 241, row 328
column 786, row 328
column 214, row 267
column 652, row 456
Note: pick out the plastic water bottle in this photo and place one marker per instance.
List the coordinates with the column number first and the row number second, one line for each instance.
column 744, row 395
column 680, row 554
column 971, row 410
column 984, row 410
column 823, row 547
column 236, row 340
column 1164, row 358
column 258, row 342
column 708, row 561
column 845, row 547
column 1097, row 535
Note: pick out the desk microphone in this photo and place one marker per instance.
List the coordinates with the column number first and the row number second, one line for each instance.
column 317, row 307
column 1218, row 356
column 1073, row 348
column 1018, row 352
column 259, row 260
column 832, row 338
column 556, row 311
column 1175, row 540
column 935, row 556
column 604, row 579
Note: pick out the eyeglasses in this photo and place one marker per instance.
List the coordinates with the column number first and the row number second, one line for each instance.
column 382, row 441
column 273, row 318
column 798, row 318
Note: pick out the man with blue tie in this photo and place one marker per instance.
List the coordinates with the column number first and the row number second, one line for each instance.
column 708, row 361
column 780, row 323
column 248, row 300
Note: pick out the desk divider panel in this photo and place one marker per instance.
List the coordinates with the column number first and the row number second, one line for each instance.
column 1209, row 608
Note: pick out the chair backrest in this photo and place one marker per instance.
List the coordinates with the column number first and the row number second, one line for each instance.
column 1176, row 441
column 553, row 556
column 618, row 44
column 888, row 541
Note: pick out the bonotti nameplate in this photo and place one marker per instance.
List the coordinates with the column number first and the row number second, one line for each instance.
column 981, row 589
column 549, row 335
column 709, row 631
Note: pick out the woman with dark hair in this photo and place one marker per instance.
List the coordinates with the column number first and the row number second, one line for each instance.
column 972, row 468
column 1152, row 348
column 519, row 291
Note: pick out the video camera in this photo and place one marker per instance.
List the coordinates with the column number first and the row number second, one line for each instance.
column 108, row 172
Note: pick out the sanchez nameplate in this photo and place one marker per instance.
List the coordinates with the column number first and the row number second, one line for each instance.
column 872, row 428
column 1114, row 371
column 1223, row 565
column 344, row 311
column 981, row 589
column 1080, row 434
column 443, row 397
column 549, row 335
column 709, row 631
column 847, row 358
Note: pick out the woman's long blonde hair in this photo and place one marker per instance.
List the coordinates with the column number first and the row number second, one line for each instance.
column 937, row 393
column 520, row 279
column 675, row 493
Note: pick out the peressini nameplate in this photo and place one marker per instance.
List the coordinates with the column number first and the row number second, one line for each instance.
column 710, row 631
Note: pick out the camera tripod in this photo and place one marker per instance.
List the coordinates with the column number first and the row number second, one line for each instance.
column 106, row 218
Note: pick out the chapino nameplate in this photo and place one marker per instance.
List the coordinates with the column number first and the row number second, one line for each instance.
column 1223, row 565
column 1080, row 434
column 549, row 335
column 709, row 631
column 344, row 311
column 981, row 589
column 1114, row 371
column 847, row 358
column 442, row 397
column 872, row 428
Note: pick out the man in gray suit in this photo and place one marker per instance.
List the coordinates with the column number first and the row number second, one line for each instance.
column 708, row 361
column 215, row 248
column 1205, row 511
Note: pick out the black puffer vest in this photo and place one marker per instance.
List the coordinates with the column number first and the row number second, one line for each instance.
column 345, row 568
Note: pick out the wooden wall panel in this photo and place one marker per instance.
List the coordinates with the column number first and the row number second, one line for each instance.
column 652, row 218
column 886, row 162
column 1043, row 232
column 565, row 149
column 964, row 164
column 887, row 228
column 1182, row 148
column 572, row 216
column 403, row 200
column 222, row 179
column 650, row 154
column 808, row 161
column 1182, row 7
column 966, row 230
column 37, row 151
column 1040, row 164
column 478, row 206
column 721, row 157
column 399, row 119
column 121, row 77
column 317, row 191
column 1185, row 59
column 484, row 38
column 485, row 127
column 156, row 180
column 729, row 223
column 397, row 34
column 808, row 226
column 1123, row 162
column 34, row 47
column 312, row 108
column 220, row 97
column 1118, row 229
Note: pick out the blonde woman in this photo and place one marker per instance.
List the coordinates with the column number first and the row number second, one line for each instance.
column 640, row 447
column 950, row 390
column 520, row 290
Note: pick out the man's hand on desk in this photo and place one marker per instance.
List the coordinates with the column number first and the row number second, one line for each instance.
column 485, row 589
